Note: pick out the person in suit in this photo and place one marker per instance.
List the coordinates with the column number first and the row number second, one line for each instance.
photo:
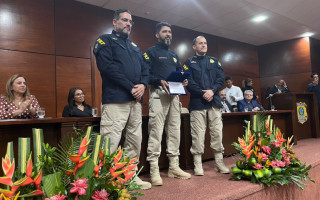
column 227, row 108
column 279, row 87
column 77, row 106
column 247, row 104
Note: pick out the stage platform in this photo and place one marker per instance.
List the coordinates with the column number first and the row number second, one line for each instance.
column 214, row 185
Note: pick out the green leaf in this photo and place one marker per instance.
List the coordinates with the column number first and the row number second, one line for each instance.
column 86, row 171
column 52, row 183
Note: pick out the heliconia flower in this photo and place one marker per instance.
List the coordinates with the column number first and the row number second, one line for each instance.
column 6, row 193
column 289, row 141
column 132, row 160
column 116, row 174
column 268, row 163
column 101, row 154
column 257, row 166
column 128, row 175
column 120, row 165
column 131, row 167
column 79, row 187
column 29, row 167
column 266, row 149
column 287, row 161
column 100, row 195
column 117, row 158
column 8, row 167
column 11, row 197
column 56, row 197
column 84, row 145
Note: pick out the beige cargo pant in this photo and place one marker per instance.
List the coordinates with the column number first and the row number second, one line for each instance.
column 198, row 122
column 115, row 118
column 164, row 113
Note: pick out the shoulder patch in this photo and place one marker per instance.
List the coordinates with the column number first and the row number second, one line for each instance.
column 174, row 59
column 146, row 56
column 100, row 41
column 185, row 67
column 133, row 44
column 211, row 61
column 219, row 63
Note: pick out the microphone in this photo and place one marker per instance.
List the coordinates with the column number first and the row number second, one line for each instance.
column 270, row 95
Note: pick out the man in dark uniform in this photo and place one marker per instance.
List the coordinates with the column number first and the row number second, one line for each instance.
column 124, row 79
column 207, row 78
column 315, row 87
column 164, row 109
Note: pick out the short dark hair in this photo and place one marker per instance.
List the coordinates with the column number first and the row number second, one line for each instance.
column 160, row 25
column 117, row 13
column 314, row 74
column 195, row 39
column 228, row 78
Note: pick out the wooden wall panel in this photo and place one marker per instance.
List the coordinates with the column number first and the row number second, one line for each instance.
column 27, row 25
column 287, row 57
column 72, row 72
column 314, row 54
column 78, row 25
column 238, row 58
column 39, row 71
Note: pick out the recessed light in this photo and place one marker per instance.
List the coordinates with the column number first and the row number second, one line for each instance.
column 307, row 34
column 259, row 18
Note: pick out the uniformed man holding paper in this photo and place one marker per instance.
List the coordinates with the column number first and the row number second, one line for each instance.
column 164, row 109
column 205, row 81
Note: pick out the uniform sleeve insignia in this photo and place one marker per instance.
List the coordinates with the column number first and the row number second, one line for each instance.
column 219, row 63
column 185, row 67
column 133, row 44
column 146, row 56
column 211, row 61
column 101, row 41
column 174, row 59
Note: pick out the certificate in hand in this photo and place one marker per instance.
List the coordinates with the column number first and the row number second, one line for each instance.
column 175, row 80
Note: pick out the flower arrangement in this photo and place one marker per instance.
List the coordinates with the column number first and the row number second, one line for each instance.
column 266, row 157
column 80, row 168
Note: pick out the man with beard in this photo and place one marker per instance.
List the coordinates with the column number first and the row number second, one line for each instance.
column 227, row 108
column 164, row 109
column 205, row 81
column 124, row 79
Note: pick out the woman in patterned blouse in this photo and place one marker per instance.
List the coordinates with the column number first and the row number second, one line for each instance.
column 18, row 103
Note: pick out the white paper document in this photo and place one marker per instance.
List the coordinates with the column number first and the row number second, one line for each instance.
column 176, row 88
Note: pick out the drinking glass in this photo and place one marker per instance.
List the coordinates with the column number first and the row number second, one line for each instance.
column 273, row 107
column 94, row 112
column 246, row 109
column 41, row 113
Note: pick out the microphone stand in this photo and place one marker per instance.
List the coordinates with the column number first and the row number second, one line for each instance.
column 270, row 99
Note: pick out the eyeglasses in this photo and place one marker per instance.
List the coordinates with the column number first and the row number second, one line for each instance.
column 127, row 20
column 248, row 94
column 79, row 95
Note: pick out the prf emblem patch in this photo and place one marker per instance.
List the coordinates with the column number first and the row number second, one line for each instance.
column 133, row 44
column 101, row 41
column 174, row 59
column 211, row 61
column 146, row 56
column 302, row 112
column 185, row 67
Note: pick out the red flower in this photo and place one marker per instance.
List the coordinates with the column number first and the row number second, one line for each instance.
column 56, row 197
column 257, row 166
column 79, row 187
column 100, row 195
column 287, row 161
column 266, row 149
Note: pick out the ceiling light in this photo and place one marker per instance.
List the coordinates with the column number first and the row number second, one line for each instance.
column 259, row 18
column 307, row 34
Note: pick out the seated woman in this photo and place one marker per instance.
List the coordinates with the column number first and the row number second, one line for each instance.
column 77, row 106
column 248, row 104
column 18, row 103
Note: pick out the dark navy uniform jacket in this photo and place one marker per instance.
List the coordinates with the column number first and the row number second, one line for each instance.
column 316, row 89
column 162, row 61
column 206, row 74
column 121, row 66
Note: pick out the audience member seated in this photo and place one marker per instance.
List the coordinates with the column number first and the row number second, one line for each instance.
column 226, row 105
column 279, row 87
column 233, row 93
column 248, row 85
column 18, row 103
column 248, row 103
column 77, row 106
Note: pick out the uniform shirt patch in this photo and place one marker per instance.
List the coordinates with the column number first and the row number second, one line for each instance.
column 193, row 61
column 133, row 44
column 174, row 59
column 185, row 67
column 219, row 63
column 211, row 61
column 146, row 56
column 162, row 57
column 114, row 38
column 101, row 41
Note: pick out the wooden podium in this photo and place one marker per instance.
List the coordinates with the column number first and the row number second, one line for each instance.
column 288, row 101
